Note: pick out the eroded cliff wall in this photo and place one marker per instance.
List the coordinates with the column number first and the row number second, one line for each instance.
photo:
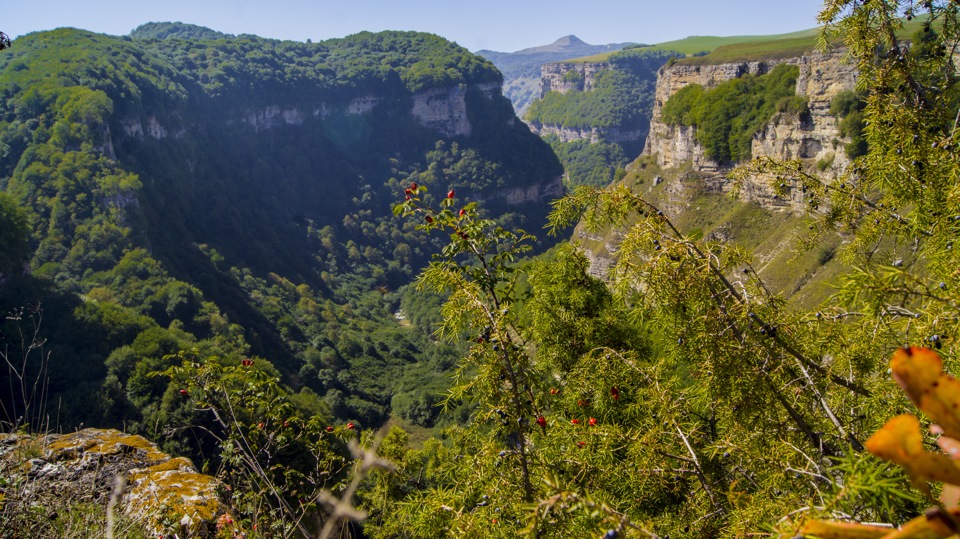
column 812, row 139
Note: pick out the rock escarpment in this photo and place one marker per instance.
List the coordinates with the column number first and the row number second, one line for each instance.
column 582, row 77
column 164, row 495
column 811, row 138
column 675, row 175
column 442, row 109
column 564, row 77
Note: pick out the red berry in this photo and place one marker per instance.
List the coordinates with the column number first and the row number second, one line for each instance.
column 286, row 423
column 414, row 186
column 183, row 392
column 451, row 194
column 407, row 192
column 615, row 393
column 593, row 421
column 406, row 197
column 553, row 391
column 575, row 421
column 581, row 444
column 259, row 425
column 463, row 212
column 329, row 429
column 542, row 421
column 428, row 219
column 350, row 426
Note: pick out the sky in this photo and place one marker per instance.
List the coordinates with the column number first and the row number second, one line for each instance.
column 501, row 25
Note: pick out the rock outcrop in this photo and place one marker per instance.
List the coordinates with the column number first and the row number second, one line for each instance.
column 594, row 135
column 516, row 196
column 442, row 109
column 566, row 76
column 165, row 495
column 813, row 138
column 582, row 77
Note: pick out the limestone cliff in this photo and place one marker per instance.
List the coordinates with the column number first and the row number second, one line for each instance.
column 674, row 174
column 442, row 109
column 610, row 100
column 564, row 77
column 812, row 138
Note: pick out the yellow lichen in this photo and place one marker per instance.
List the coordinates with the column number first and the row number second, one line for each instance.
column 104, row 442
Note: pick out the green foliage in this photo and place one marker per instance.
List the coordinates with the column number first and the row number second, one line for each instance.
column 588, row 163
column 175, row 30
column 622, row 95
column 687, row 395
column 278, row 453
column 729, row 115
column 165, row 210
column 848, row 106
column 573, row 77
column 14, row 235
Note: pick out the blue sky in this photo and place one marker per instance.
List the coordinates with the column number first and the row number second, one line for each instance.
column 503, row 25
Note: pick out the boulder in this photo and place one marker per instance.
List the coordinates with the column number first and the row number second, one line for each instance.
column 167, row 496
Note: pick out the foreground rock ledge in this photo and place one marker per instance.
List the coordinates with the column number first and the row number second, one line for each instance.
column 165, row 495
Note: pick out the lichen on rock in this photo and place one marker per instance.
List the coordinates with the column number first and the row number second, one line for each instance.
column 163, row 494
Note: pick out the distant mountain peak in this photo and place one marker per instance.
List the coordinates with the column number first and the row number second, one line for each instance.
column 564, row 44
column 570, row 42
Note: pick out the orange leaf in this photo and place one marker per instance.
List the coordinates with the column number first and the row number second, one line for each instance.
column 900, row 441
column 897, row 441
column 824, row 529
column 920, row 372
column 935, row 524
column 916, row 370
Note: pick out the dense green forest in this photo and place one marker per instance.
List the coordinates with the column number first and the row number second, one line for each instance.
column 161, row 207
column 621, row 99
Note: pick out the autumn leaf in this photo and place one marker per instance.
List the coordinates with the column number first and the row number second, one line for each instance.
column 824, row 529
column 920, row 372
column 900, row 441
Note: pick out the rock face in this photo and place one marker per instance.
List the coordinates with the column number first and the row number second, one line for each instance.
column 442, row 109
column 564, row 77
column 812, row 139
column 593, row 134
column 445, row 109
column 515, row 196
column 165, row 495
column 581, row 77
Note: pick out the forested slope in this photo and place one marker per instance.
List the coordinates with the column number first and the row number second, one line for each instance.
column 233, row 195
